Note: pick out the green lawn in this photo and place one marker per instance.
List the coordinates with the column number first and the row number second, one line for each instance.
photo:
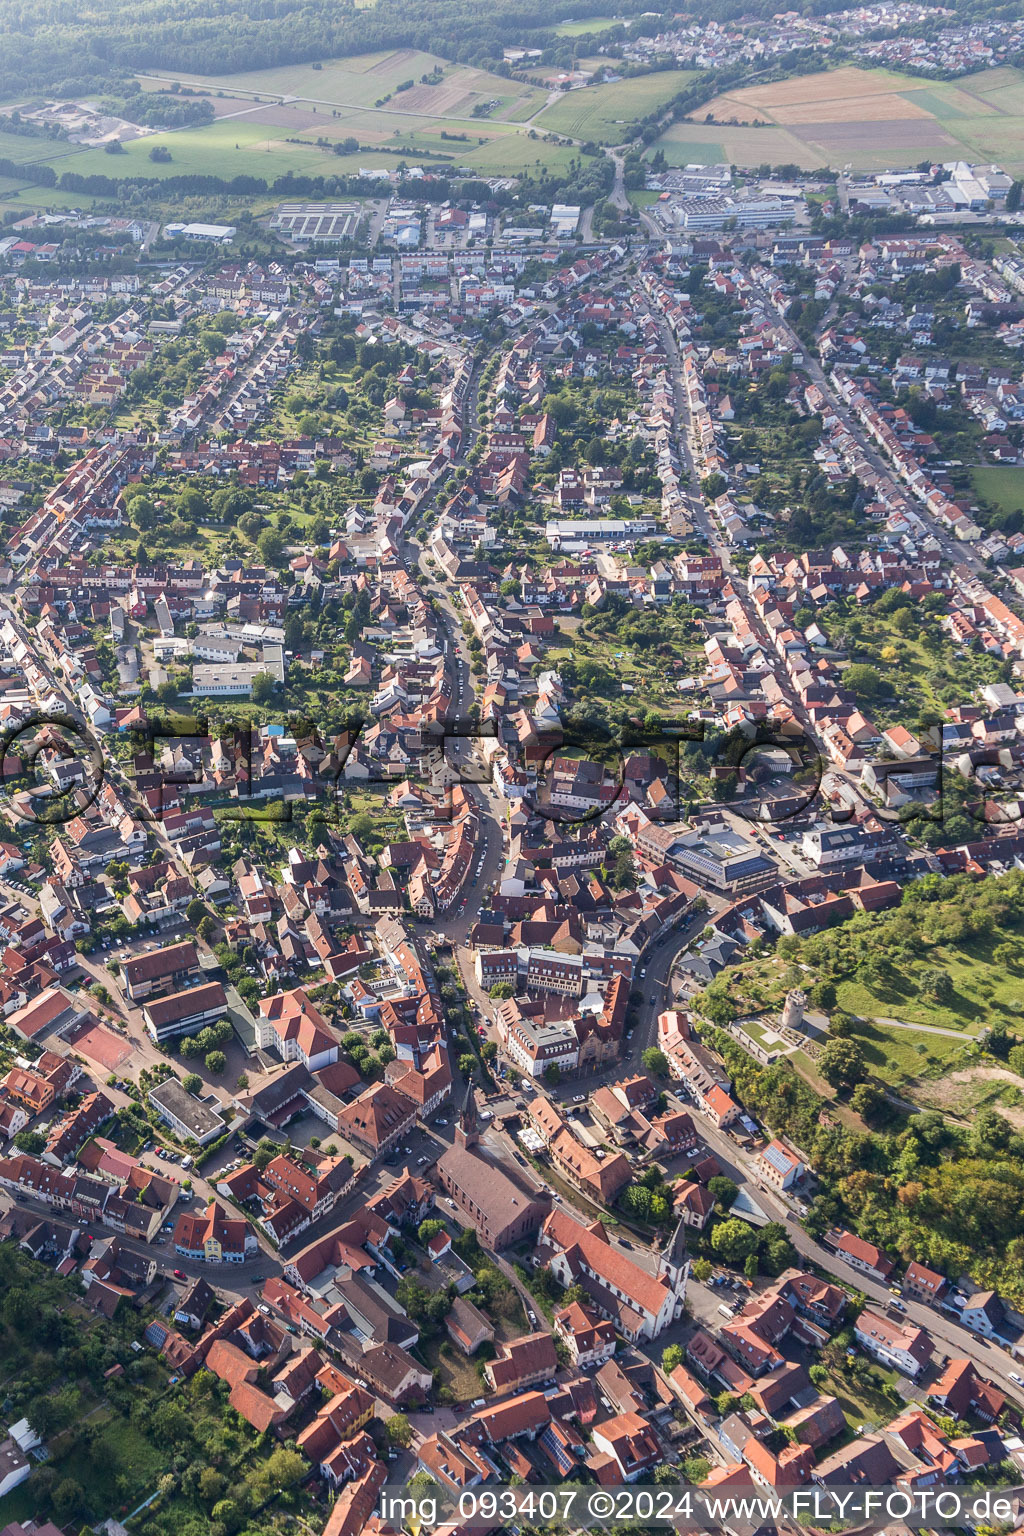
column 609, row 113
column 862, row 1404
column 17, row 147
column 119, row 1451
column 1003, row 487
column 356, row 79
column 231, row 147
column 900, row 1056
column 582, row 28
column 510, row 153
column 250, row 146
column 984, row 992
column 27, row 200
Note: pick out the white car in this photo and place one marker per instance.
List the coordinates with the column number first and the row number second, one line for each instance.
column 1018, row 1379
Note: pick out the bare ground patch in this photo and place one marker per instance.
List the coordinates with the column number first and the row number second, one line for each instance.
column 437, row 100
column 393, row 61
column 967, row 1089
column 889, row 107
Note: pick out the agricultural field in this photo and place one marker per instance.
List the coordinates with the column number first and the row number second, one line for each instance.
column 607, row 113
column 690, row 143
column 241, row 146
column 363, row 80
column 268, row 121
column 865, row 118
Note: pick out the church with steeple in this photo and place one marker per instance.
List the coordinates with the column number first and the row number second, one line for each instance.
column 641, row 1298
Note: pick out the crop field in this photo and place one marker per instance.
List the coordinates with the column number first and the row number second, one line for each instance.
column 690, row 143
column 363, row 80
column 607, row 113
column 867, row 118
column 267, row 123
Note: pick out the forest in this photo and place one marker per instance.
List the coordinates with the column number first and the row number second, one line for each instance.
column 45, row 45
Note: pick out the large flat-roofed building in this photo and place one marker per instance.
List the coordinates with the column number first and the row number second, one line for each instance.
column 324, row 223
column 718, row 857
column 182, row 1013
column 210, row 234
column 716, row 212
column 574, row 533
column 235, row 679
column 187, row 1116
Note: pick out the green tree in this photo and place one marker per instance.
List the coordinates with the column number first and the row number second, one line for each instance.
column 552, row 1073
column 67, row 1498
column 226, row 1515
column 215, row 1061
column 841, row 1063
column 938, row 984
column 867, row 1101
column 211, row 1485
column 723, row 1189
column 732, row 1240
column 264, row 686
column 863, row 680
column 271, row 546
column 265, row 1153
column 285, row 1468
column 30, row 1142
column 399, row 1430
column 192, row 1083
column 655, row 1062
column 671, row 1356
